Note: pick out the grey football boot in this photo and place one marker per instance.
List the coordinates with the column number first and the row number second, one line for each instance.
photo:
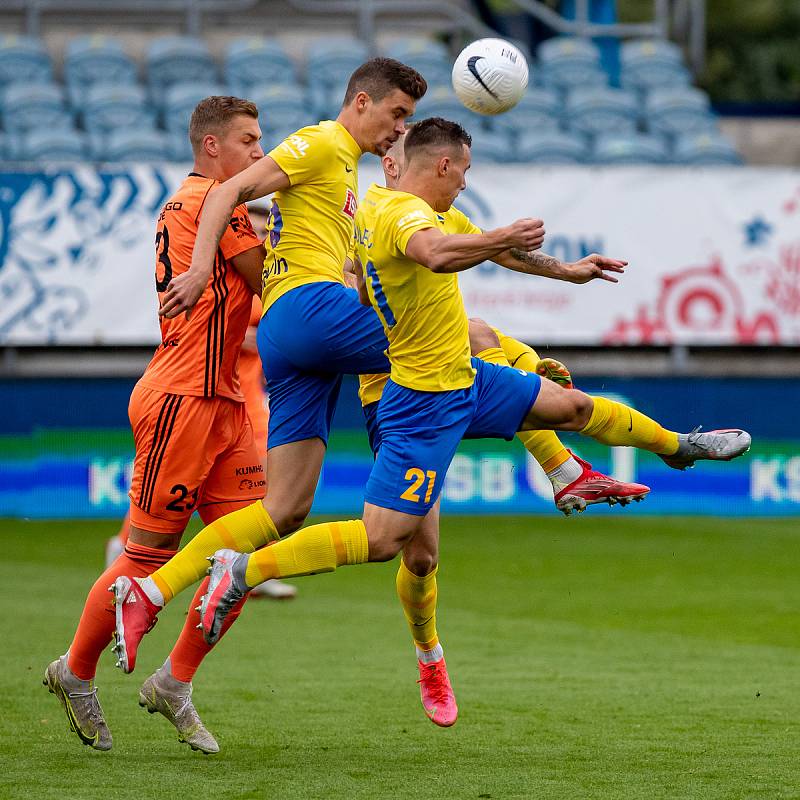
column 172, row 698
column 721, row 445
column 226, row 587
column 79, row 700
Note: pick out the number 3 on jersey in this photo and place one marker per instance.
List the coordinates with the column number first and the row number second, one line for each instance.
column 417, row 478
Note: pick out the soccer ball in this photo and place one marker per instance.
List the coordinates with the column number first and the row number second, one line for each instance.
column 490, row 76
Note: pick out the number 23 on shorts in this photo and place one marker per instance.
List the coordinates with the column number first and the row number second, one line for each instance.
column 417, row 478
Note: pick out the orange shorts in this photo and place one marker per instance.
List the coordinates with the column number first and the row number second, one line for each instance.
column 251, row 378
column 192, row 453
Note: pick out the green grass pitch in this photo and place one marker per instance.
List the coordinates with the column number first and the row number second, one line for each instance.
column 599, row 657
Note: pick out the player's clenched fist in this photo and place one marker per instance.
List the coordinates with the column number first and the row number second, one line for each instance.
column 526, row 234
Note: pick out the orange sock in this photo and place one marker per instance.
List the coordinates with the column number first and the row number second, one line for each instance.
column 191, row 648
column 96, row 626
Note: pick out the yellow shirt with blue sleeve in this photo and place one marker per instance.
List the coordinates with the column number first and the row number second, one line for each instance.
column 310, row 224
column 422, row 312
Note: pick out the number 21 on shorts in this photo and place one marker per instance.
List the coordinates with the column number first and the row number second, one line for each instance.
column 417, row 478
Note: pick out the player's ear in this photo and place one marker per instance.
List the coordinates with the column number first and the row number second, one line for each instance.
column 211, row 145
column 444, row 165
column 361, row 100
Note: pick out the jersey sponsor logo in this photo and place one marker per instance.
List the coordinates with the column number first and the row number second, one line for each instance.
column 347, row 169
column 411, row 218
column 350, row 204
column 170, row 343
column 246, row 484
column 251, row 470
column 296, row 145
column 241, row 225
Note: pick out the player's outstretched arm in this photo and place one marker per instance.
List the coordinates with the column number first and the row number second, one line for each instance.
column 262, row 178
column 591, row 267
column 441, row 252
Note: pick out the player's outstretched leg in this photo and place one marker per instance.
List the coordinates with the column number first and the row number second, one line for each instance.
column 575, row 484
column 79, row 699
column 721, row 445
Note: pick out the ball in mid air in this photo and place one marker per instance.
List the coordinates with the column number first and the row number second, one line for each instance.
column 490, row 76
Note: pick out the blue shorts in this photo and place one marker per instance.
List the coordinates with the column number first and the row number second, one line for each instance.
column 308, row 339
column 420, row 431
column 373, row 431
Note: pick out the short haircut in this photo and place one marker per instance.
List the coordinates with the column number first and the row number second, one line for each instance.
column 380, row 76
column 214, row 114
column 434, row 133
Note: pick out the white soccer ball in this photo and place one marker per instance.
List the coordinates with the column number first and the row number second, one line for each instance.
column 490, row 76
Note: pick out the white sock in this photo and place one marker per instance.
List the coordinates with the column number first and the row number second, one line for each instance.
column 429, row 656
column 150, row 588
column 564, row 474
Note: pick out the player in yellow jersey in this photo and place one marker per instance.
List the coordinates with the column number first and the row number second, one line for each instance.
column 437, row 394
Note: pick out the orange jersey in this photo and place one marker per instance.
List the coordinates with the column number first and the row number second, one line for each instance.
column 199, row 356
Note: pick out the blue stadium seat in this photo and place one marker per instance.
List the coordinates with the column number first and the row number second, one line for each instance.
column 551, row 147
column 47, row 145
column 332, row 60
column 678, row 110
column 633, row 148
column 132, row 145
column 281, row 107
column 255, row 61
column 491, row 146
column 539, row 109
column 179, row 148
column 37, row 105
column 326, row 100
column 441, row 102
column 272, row 139
column 652, row 63
column 430, row 58
column 705, row 148
column 97, row 59
column 108, row 106
column 179, row 59
column 180, row 100
column 23, row 59
column 567, row 62
column 8, row 148
column 601, row 110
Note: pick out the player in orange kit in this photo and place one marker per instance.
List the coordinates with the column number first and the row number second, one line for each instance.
column 195, row 448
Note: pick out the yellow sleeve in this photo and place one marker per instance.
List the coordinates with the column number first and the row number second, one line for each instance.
column 462, row 223
column 306, row 154
column 409, row 217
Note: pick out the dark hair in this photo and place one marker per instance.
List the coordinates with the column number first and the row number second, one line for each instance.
column 379, row 76
column 214, row 114
column 432, row 133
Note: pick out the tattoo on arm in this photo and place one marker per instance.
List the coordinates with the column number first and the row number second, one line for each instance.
column 536, row 260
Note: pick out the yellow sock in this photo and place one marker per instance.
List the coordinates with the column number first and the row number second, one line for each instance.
column 617, row 424
column 418, row 597
column 544, row 446
column 318, row 548
column 243, row 530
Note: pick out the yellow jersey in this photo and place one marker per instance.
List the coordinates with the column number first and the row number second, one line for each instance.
column 310, row 224
column 422, row 311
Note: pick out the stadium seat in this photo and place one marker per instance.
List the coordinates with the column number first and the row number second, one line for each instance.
column 7, row 147
column 635, row 148
column 678, row 110
column 601, row 110
column 37, row 105
column 97, row 59
column 179, row 59
column 108, row 106
column 180, row 100
column 429, row 57
column 23, row 59
column 47, row 145
column 256, row 61
column 131, row 145
column 567, row 62
column 333, row 60
column 326, row 100
column 539, row 109
column 491, row 146
column 651, row 64
column 179, row 148
column 551, row 147
column 441, row 102
column 705, row 148
column 281, row 107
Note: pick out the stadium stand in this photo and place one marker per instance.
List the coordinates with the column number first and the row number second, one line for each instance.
column 106, row 91
column 58, row 145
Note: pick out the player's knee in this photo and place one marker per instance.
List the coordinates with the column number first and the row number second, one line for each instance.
column 580, row 409
column 291, row 520
column 481, row 336
column 420, row 562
